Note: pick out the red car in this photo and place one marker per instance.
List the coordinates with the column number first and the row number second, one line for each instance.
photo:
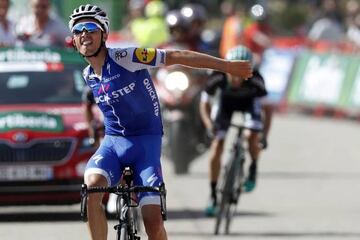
column 44, row 143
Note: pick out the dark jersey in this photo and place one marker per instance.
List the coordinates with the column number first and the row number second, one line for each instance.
column 235, row 98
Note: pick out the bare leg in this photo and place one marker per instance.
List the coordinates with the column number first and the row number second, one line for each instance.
column 153, row 222
column 254, row 148
column 97, row 222
column 217, row 147
column 268, row 110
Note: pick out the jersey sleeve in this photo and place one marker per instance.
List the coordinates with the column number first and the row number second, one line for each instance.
column 134, row 59
column 258, row 84
column 215, row 80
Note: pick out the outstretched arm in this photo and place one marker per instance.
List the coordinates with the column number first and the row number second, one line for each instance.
column 200, row 60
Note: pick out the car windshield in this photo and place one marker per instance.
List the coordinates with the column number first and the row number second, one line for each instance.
column 31, row 86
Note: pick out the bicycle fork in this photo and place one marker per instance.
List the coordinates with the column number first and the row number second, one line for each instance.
column 238, row 173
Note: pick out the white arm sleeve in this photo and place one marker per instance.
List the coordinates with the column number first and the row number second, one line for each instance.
column 134, row 59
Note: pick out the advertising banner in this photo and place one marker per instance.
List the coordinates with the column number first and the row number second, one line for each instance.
column 353, row 99
column 34, row 121
column 276, row 68
column 320, row 79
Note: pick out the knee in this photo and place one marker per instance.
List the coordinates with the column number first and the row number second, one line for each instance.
column 217, row 146
column 254, row 138
column 154, row 226
column 95, row 180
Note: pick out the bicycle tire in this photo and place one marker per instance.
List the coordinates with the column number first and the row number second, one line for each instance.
column 225, row 194
column 230, row 212
column 235, row 192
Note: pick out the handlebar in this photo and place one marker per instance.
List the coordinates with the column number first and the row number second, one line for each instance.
column 122, row 189
column 85, row 190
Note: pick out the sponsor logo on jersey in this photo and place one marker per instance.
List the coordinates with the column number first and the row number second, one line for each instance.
column 97, row 158
column 112, row 97
column 120, row 54
column 145, row 56
column 152, row 179
column 105, row 80
column 103, row 88
column 162, row 57
column 153, row 96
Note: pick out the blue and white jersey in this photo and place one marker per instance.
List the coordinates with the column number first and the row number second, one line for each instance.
column 125, row 92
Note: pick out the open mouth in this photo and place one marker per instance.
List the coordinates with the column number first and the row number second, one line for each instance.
column 86, row 42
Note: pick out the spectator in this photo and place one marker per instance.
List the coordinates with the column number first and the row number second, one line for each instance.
column 352, row 8
column 178, row 29
column 353, row 31
column 7, row 34
column 40, row 28
column 257, row 36
column 328, row 26
column 155, row 12
column 233, row 27
column 352, row 16
column 135, row 25
column 196, row 16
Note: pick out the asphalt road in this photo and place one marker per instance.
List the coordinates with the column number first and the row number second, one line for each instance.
column 308, row 188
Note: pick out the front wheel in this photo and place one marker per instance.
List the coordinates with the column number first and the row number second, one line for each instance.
column 225, row 199
column 122, row 233
column 235, row 192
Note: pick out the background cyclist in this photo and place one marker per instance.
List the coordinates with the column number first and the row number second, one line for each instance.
column 124, row 92
column 231, row 94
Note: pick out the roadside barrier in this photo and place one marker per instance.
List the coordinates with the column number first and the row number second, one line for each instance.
column 322, row 83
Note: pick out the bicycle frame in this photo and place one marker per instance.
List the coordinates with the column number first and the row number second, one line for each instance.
column 233, row 178
column 126, row 228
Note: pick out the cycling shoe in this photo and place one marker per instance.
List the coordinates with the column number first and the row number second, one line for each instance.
column 249, row 185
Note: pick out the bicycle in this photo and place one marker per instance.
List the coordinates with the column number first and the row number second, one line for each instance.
column 125, row 205
column 232, row 181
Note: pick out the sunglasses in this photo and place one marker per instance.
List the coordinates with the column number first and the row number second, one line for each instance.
column 90, row 27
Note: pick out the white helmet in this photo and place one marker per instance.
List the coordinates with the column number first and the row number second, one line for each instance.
column 90, row 11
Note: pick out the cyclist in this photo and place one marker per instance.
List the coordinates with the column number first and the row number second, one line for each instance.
column 232, row 94
column 257, row 36
column 124, row 92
